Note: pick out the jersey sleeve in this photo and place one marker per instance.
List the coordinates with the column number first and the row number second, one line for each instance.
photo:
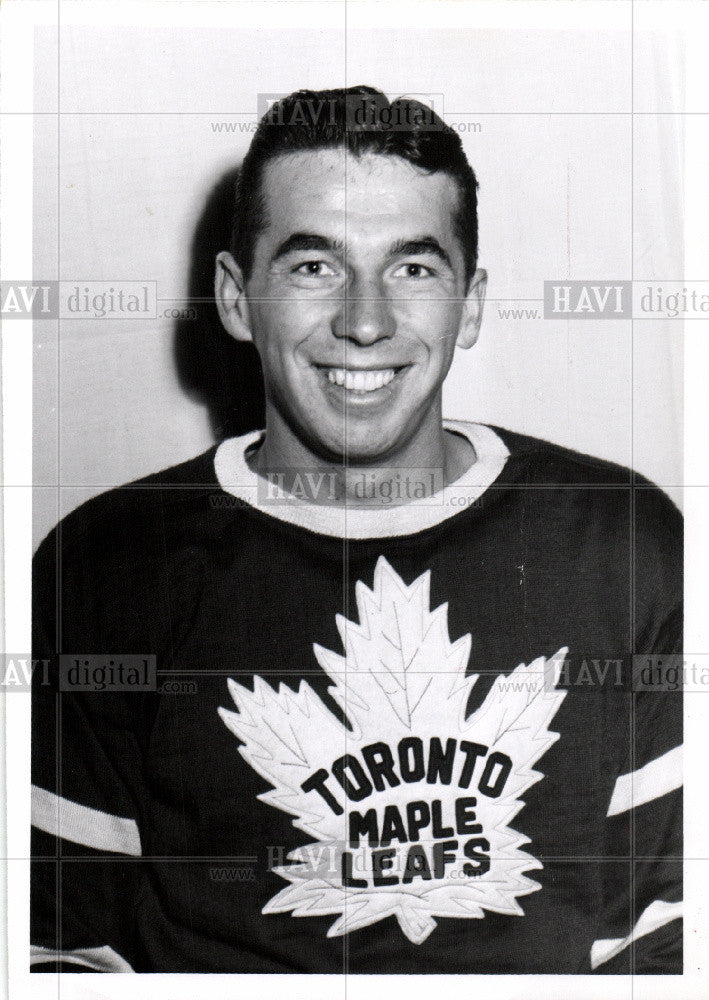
column 640, row 929
column 86, row 801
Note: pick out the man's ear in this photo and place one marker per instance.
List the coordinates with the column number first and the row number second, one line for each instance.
column 473, row 310
column 230, row 294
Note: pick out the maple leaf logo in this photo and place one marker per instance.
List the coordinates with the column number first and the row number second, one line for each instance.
column 410, row 807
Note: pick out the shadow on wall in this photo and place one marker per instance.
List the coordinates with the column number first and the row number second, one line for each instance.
column 214, row 369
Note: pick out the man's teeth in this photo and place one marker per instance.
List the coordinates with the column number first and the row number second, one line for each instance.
column 361, row 381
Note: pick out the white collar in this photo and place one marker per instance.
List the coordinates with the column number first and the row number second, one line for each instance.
column 235, row 477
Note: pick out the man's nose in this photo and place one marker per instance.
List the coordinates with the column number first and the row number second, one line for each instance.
column 365, row 314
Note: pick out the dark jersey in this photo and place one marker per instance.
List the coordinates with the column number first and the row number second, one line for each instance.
column 400, row 740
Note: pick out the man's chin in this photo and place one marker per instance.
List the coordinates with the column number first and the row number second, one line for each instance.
column 358, row 446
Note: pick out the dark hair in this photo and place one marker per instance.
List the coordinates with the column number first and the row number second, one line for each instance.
column 360, row 120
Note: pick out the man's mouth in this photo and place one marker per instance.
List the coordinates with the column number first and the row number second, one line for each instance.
column 359, row 380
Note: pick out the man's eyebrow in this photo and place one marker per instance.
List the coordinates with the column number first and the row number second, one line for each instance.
column 309, row 241
column 324, row 244
column 421, row 245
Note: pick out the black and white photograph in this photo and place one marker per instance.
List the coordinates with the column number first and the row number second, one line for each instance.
column 352, row 375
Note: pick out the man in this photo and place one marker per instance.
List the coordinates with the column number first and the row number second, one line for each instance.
column 411, row 742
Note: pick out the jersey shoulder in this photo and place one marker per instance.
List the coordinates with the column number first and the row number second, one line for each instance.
column 129, row 561
column 557, row 463
column 618, row 512
column 133, row 522
column 544, row 463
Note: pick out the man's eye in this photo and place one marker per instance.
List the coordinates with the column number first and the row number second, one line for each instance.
column 412, row 270
column 314, row 268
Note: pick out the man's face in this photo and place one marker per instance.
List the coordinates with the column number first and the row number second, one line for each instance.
column 356, row 299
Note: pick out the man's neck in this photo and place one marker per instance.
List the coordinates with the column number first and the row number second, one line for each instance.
column 432, row 461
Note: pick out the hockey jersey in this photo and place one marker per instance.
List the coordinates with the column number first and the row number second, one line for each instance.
column 407, row 739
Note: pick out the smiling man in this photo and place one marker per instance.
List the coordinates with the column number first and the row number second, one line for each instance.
column 358, row 291
column 401, row 722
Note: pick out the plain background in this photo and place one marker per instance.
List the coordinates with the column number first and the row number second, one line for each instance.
column 571, row 187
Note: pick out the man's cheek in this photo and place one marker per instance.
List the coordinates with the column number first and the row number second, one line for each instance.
column 276, row 330
column 427, row 317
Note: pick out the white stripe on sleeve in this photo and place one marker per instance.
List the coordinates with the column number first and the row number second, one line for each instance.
column 90, row 827
column 103, row 959
column 660, row 776
column 655, row 916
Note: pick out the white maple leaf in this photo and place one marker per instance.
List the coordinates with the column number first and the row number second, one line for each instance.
column 401, row 679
